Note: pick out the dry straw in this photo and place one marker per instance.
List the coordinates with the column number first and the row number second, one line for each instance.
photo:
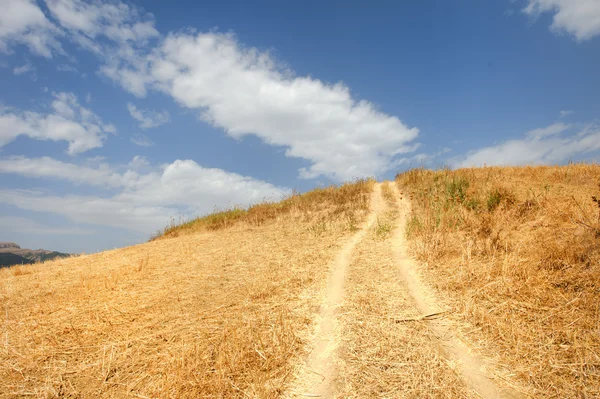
column 382, row 356
column 207, row 314
column 517, row 253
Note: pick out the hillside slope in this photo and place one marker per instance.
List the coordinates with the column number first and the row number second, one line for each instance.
column 209, row 313
column 318, row 296
column 516, row 253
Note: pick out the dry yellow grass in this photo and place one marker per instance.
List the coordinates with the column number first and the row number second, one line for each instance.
column 388, row 352
column 516, row 251
column 212, row 314
column 337, row 200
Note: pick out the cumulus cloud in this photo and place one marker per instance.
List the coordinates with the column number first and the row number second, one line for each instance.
column 245, row 92
column 237, row 88
column 580, row 18
column 143, row 201
column 148, row 118
column 23, row 22
column 70, row 122
column 539, row 146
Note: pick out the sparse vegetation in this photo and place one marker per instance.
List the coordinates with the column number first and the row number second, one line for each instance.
column 342, row 201
column 381, row 357
column 516, row 251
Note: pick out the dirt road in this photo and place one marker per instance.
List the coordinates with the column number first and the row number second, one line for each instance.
column 381, row 331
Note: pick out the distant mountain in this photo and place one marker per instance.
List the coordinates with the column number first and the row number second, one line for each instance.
column 12, row 254
column 9, row 259
column 9, row 245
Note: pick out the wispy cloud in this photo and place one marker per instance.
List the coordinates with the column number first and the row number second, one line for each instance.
column 27, row 67
column 565, row 112
column 141, row 140
column 148, row 118
column 539, row 146
column 551, row 130
column 66, row 68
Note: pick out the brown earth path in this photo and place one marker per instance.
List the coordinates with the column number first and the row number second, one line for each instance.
column 474, row 370
column 315, row 378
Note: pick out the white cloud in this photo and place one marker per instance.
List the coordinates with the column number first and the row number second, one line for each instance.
column 564, row 113
column 89, row 22
column 141, row 140
column 88, row 209
column 237, row 88
column 540, row 146
column 104, row 28
column 46, row 167
column 27, row 67
column 148, row 118
column 28, row 226
column 23, row 22
column 551, row 130
column 581, row 18
column 66, row 68
column 71, row 122
column 115, row 20
column 145, row 200
column 244, row 91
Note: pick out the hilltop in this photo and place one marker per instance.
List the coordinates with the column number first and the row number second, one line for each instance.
column 471, row 283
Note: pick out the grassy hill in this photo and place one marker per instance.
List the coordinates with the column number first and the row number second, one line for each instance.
column 226, row 305
column 212, row 308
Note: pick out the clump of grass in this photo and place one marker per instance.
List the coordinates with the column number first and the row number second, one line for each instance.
column 340, row 201
column 383, row 227
column 516, row 252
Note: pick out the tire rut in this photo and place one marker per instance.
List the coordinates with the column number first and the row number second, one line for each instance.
column 472, row 368
column 316, row 377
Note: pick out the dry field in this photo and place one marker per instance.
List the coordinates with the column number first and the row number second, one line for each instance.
column 223, row 312
column 516, row 254
column 317, row 296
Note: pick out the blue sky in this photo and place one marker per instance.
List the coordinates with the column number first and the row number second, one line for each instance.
column 116, row 116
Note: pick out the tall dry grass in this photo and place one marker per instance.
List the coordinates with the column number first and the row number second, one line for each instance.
column 517, row 253
column 218, row 314
column 340, row 200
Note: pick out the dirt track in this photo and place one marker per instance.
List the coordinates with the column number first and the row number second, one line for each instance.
column 320, row 373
